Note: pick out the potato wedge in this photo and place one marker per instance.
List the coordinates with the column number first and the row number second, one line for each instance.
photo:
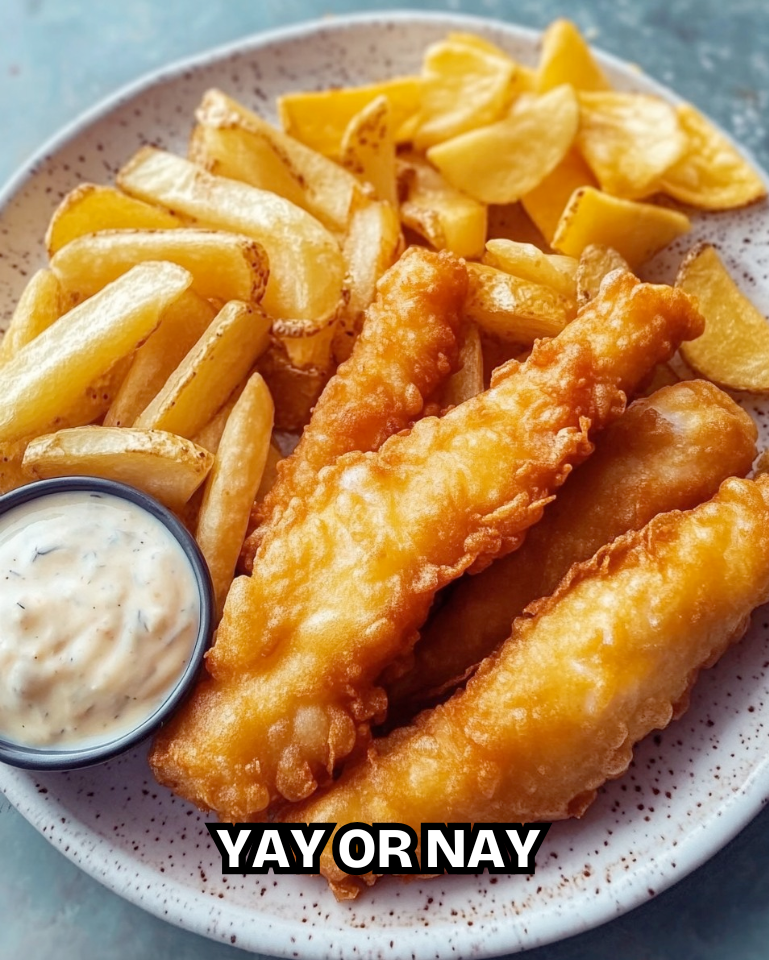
column 13, row 473
column 524, row 78
column 48, row 376
column 39, row 306
column 467, row 382
column 232, row 141
column 209, row 373
column 90, row 208
column 733, row 351
column 437, row 211
column 371, row 247
column 511, row 222
column 504, row 161
column 223, row 265
column 514, row 310
column 566, row 58
column 95, row 400
column 233, row 484
column 629, row 141
column 464, row 86
column 165, row 466
column 546, row 202
column 635, row 230
column 595, row 263
column 182, row 324
column 524, row 260
column 368, row 149
column 320, row 119
column 711, row 175
column 306, row 265
column 307, row 346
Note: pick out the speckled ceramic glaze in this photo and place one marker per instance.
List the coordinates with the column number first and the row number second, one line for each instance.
column 690, row 788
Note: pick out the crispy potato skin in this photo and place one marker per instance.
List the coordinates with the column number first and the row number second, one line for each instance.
column 669, row 452
column 591, row 670
column 344, row 579
column 408, row 347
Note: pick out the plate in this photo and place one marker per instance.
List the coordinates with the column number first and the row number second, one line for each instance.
column 691, row 787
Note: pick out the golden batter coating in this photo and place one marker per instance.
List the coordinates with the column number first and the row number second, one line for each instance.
column 668, row 452
column 407, row 348
column 556, row 711
column 344, row 579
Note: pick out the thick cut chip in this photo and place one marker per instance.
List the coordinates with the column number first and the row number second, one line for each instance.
column 546, row 202
column 446, row 217
column 368, row 149
column 517, row 311
column 734, row 349
column 211, row 435
column 209, row 373
column 234, row 142
column 635, row 230
column 223, row 265
column 90, row 208
column 629, row 140
column 39, row 306
column 306, row 266
column 181, row 326
column 464, row 86
column 307, row 345
column 526, row 261
column 566, row 58
column 711, row 174
column 503, row 162
column 595, row 263
column 319, row 119
column 524, row 79
column 163, row 465
column 53, row 372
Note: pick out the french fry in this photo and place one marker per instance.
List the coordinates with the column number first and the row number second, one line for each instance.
column 368, row 149
column 306, row 265
column 95, row 400
column 270, row 475
column 467, row 382
column 464, row 86
column 50, row 375
column 319, row 120
column 307, row 346
column 13, row 473
column 504, row 161
column 90, row 208
column 182, row 324
column 437, row 211
column 209, row 373
column 39, row 306
column 635, row 230
column 232, row 141
column 566, row 58
column 210, row 436
column 223, row 265
column 515, row 310
column 527, row 262
column 165, row 466
column 734, row 349
column 595, row 263
column 545, row 203
column 233, row 484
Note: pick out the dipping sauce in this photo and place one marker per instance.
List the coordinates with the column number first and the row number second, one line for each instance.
column 99, row 615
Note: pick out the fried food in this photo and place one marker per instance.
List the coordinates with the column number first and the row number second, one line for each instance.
column 342, row 582
column 591, row 670
column 668, row 452
column 407, row 348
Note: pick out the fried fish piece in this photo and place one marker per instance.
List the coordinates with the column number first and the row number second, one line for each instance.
column 345, row 578
column 668, row 452
column 591, row 670
column 407, row 348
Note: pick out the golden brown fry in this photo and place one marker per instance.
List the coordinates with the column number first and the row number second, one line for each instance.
column 293, row 687
column 13, row 473
column 407, row 348
column 669, row 452
column 609, row 657
column 467, row 382
column 595, row 263
column 39, row 306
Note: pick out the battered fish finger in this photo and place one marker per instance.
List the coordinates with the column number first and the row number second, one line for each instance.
column 407, row 348
column 609, row 657
column 669, row 452
column 344, row 579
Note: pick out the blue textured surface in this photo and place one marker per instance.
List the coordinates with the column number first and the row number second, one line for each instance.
column 58, row 57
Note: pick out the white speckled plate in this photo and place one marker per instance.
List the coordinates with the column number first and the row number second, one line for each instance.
column 690, row 789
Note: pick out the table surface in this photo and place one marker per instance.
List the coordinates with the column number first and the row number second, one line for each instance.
column 58, row 57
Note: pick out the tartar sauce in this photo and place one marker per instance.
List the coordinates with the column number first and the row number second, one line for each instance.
column 99, row 614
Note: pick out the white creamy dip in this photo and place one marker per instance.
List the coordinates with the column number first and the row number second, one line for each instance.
column 99, row 613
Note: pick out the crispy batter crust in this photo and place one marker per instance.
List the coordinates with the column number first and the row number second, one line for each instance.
column 610, row 656
column 668, row 452
column 344, row 579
